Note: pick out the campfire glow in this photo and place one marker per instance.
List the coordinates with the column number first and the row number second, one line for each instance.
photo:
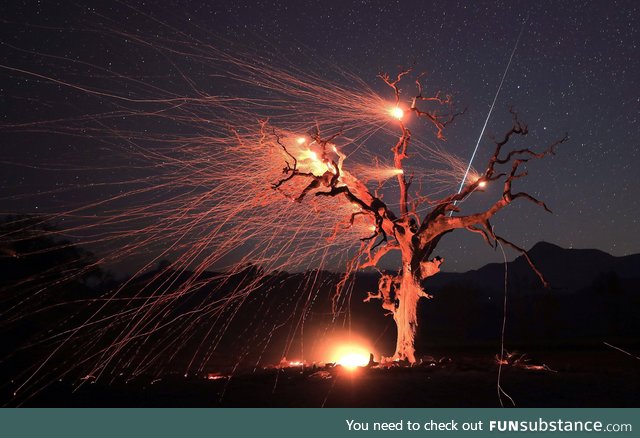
column 353, row 360
column 350, row 355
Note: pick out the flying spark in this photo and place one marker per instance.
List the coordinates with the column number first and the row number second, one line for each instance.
column 201, row 200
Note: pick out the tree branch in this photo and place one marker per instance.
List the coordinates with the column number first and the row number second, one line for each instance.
column 524, row 253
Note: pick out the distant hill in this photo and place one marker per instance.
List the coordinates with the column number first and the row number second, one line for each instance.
column 565, row 269
column 594, row 297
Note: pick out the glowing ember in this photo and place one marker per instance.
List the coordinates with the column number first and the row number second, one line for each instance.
column 215, row 376
column 475, row 178
column 227, row 197
column 379, row 173
column 311, row 161
column 396, row 113
column 286, row 363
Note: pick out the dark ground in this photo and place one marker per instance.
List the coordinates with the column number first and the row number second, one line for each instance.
column 594, row 298
column 594, row 378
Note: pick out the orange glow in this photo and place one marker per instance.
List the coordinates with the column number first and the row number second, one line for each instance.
column 475, row 177
column 215, row 376
column 301, row 140
column 312, row 162
column 352, row 361
column 351, row 354
column 346, row 348
column 378, row 173
column 396, row 113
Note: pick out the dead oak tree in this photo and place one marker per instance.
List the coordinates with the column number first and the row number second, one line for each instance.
column 413, row 236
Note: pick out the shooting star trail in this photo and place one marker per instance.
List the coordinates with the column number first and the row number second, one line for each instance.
column 495, row 98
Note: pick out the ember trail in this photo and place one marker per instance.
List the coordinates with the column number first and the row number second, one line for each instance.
column 271, row 169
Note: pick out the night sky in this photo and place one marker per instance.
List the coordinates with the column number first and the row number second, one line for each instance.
column 576, row 70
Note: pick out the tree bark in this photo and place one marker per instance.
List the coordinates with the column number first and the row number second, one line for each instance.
column 405, row 314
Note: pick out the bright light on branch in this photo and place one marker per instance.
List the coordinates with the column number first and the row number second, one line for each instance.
column 396, row 113
column 475, row 178
column 301, row 140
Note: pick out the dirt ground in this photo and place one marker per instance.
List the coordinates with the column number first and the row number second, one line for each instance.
column 603, row 378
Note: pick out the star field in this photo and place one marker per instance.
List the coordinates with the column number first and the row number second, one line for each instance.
column 575, row 70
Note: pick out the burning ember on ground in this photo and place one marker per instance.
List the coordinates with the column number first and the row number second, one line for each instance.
column 353, row 360
column 349, row 355
column 215, row 376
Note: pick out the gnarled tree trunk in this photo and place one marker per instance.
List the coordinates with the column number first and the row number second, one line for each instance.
column 400, row 295
column 405, row 314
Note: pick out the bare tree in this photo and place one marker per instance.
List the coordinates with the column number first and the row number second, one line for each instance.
column 413, row 236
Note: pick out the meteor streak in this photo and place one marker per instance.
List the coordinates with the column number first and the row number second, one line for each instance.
column 495, row 98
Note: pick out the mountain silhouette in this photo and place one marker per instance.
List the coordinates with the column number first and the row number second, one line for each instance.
column 565, row 270
column 593, row 298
